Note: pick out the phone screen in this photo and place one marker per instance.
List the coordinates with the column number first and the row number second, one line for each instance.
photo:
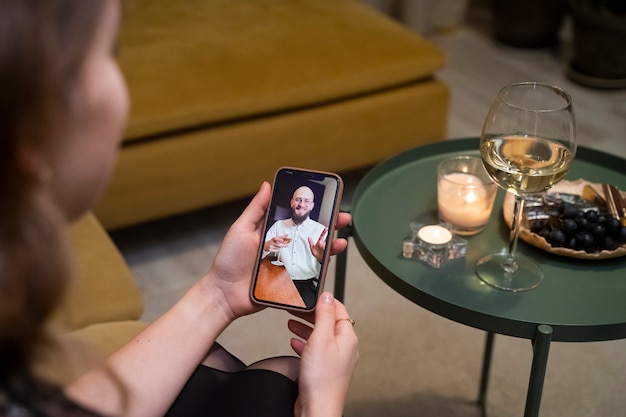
column 295, row 247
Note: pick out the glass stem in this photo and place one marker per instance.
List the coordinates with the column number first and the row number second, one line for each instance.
column 510, row 265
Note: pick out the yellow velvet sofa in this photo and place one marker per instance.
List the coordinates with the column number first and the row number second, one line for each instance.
column 223, row 92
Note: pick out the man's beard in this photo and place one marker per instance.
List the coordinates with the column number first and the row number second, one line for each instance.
column 299, row 219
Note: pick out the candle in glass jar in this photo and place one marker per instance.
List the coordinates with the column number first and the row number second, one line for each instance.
column 434, row 235
column 463, row 200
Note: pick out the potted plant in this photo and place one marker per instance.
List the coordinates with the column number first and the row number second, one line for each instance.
column 528, row 23
column 599, row 43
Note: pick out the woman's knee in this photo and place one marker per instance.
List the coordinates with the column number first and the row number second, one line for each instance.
column 221, row 359
column 288, row 366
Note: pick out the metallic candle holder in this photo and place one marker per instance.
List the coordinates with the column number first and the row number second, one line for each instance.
column 433, row 244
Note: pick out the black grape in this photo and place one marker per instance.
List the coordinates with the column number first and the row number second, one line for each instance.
column 572, row 228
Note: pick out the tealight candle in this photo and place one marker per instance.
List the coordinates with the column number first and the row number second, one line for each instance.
column 433, row 244
column 435, row 235
column 465, row 194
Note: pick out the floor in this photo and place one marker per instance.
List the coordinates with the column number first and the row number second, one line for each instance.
column 412, row 361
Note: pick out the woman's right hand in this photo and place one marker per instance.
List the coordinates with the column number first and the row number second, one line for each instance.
column 329, row 355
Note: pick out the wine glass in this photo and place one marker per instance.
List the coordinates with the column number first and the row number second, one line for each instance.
column 527, row 145
column 278, row 261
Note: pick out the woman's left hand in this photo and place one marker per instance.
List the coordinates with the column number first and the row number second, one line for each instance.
column 328, row 355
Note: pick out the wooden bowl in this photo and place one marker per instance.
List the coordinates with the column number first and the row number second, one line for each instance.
column 570, row 187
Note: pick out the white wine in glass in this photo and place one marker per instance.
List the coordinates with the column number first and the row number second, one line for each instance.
column 527, row 145
column 279, row 259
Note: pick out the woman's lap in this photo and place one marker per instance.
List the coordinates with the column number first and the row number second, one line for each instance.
column 250, row 392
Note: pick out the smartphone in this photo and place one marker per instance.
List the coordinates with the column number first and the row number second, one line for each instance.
column 297, row 236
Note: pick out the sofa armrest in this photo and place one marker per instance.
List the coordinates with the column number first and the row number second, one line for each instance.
column 103, row 288
column 100, row 312
column 73, row 354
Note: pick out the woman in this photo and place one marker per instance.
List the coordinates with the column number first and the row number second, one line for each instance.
column 62, row 112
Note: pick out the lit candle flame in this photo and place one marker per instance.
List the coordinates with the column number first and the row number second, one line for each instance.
column 470, row 197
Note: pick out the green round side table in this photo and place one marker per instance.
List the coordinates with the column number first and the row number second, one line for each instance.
column 578, row 300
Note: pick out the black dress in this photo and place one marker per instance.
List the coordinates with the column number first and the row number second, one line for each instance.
column 208, row 393
column 254, row 392
column 27, row 396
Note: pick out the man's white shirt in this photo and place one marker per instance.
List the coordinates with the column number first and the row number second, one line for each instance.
column 297, row 257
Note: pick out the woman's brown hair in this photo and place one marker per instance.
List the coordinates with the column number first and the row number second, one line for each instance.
column 43, row 44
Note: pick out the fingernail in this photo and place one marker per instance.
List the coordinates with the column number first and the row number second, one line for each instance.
column 328, row 298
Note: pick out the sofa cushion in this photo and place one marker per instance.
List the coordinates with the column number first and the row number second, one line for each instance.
column 191, row 63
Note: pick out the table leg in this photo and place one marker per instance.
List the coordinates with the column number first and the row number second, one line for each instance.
column 341, row 265
column 484, row 378
column 541, row 348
